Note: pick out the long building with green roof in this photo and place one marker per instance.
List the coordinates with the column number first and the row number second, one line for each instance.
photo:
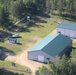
column 67, row 28
column 49, row 47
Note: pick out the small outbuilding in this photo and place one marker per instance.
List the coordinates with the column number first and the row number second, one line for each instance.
column 67, row 28
column 13, row 40
column 49, row 47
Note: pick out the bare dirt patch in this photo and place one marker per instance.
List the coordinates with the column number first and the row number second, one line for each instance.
column 53, row 32
column 74, row 40
column 29, row 44
column 35, row 38
column 22, row 59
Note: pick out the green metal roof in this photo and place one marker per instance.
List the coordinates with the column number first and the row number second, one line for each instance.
column 67, row 25
column 10, row 38
column 43, row 42
column 52, row 44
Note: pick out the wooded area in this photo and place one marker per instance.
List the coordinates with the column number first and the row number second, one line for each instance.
column 66, row 8
column 12, row 10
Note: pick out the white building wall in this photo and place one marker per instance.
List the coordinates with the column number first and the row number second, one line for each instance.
column 67, row 32
column 33, row 55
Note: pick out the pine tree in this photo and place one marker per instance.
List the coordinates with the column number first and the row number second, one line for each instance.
column 18, row 9
column 4, row 18
column 75, row 9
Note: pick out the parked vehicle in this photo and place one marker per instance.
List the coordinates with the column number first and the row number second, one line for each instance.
column 13, row 40
column 15, row 35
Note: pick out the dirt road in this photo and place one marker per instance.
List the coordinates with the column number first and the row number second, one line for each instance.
column 22, row 60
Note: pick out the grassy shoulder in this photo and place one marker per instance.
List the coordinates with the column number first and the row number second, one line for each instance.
column 74, row 45
column 14, row 68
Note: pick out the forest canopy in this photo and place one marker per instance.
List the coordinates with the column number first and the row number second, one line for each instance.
column 17, row 9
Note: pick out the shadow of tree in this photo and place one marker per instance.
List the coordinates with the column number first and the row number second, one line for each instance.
column 20, row 28
column 69, row 17
column 7, row 72
column 33, row 24
column 4, row 53
column 13, row 28
column 4, row 34
column 42, row 14
column 68, row 52
column 34, row 20
column 25, row 29
column 66, row 16
column 73, row 48
column 38, row 19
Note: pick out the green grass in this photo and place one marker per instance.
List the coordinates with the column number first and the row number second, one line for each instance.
column 18, row 69
column 41, row 30
column 74, row 45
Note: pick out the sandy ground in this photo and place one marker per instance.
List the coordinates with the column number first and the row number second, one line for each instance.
column 53, row 32
column 22, row 60
column 74, row 40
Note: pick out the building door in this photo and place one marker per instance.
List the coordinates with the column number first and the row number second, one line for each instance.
column 40, row 58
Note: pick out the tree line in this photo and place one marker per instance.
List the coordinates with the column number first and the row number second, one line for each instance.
column 63, row 6
column 17, row 9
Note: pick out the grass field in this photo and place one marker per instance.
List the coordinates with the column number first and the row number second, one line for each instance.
column 40, row 28
column 14, row 70
column 74, row 45
column 29, row 36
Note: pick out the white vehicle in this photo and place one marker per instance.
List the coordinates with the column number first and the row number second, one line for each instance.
column 16, row 35
column 28, row 17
